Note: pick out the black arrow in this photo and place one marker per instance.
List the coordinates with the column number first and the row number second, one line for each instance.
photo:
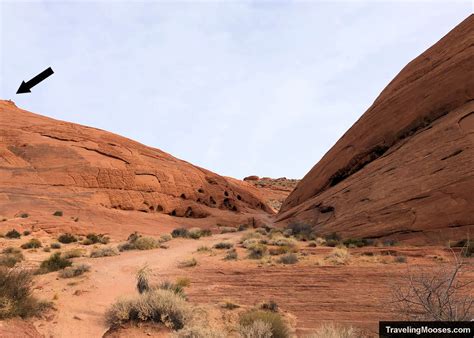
column 26, row 86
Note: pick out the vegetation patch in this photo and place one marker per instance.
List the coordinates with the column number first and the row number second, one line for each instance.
column 73, row 253
column 231, row 255
column 271, row 320
column 33, row 243
column 138, row 242
column 10, row 257
column 12, row 234
column 257, row 251
column 289, row 258
column 188, row 263
column 54, row 263
column 223, row 245
column 93, row 238
column 104, row 252
column 67, row 238
column 16, row 299
column 74, row 271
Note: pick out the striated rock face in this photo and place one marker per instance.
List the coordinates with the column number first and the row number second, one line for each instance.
column 47, row 164
column 405, row 169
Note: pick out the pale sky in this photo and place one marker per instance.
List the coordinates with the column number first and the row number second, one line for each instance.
column 239, row 88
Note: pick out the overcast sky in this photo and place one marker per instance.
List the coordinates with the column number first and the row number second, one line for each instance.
column 239, row 88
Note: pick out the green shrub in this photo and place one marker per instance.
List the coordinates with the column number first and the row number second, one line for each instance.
column 194, row 233
column 12, row 234
column 58, row 213
column 55, row 246
column 24, row 215
column 74, row 271
column 256, row 329
column 54, row 263
column 16, row 299
column 229, row 305
column 204, row 248
column 104, row 252
column 159, row 306
column 176, row 288
column 33, row 243
column 231, row 255
column 289, row 258
column 93, row 238
column 330, row 330
column 257, row 251
column 67, row 238
column 223, row 245
column 165, row 238
column 278, row 327
column 261, row 231
column 312, row 244
column 140, row 243
column 301, row 231
column 180, row 232
column 357, row 242
column 281, row 250
column 26, row 232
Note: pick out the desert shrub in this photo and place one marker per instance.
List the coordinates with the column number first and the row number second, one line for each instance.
column 332, row 243
column 242, row 227
column 400, row 259
column 389, row 242
column 143, row 274
column 333, row 331
column 312, row 244
column 165, row 238
column 229, row 305
column 282, row 241
column 250, row 235
column 357, row 242
column 55, row 246
column 180, row 232
column 434, row 294
column 16, row 299
column 188, row 263
column 140, row 243
column 204, row 248
column 333, row 236
column 256, row 329
column 26, row 232
column 271, row 305
column 33, row 243
column 54, row 263
column 338, row 256
column 24, row 215
column 73, row 253
column 278, row 327
column 183, row 282
column 47, row 249
column 281, row 250
column 256, row 251
column 206, row 233
column 74, row 271
column 159, row 306
column 289, row 258
column 95, row 239
column 302, row 231
column 225, row 230
column 67, row 238
column 10, row 257
column 223, row 245
column 173, row 287
column 12, row 234
column 199, row 331
column 104, row 252
column 261, row 231
column 231, row 255
column 58, row 213
column 250, row 242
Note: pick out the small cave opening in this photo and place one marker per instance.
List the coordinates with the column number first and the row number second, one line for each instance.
column 173, row 213
column 212, row 200
column 159, row 208
column 183, row 196
column 152, row 208
column 201, row 190
column 226, row 193
column 239, row 197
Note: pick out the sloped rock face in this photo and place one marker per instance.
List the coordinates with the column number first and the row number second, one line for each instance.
column 405, row 169
column 45, row 164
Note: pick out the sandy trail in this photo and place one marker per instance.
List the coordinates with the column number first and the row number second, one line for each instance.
column 82, row 302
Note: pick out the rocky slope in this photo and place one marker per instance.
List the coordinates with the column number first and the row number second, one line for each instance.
column 405, row 169
column 274, row 190
column 98, row 178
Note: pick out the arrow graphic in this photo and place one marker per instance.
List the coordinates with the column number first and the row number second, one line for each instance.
column 25, row 87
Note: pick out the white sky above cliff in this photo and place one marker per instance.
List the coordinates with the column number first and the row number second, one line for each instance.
column 239, row 88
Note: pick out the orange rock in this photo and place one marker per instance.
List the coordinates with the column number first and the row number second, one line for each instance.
column 405, row 169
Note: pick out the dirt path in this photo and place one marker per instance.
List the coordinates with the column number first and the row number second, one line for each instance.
column 82, row 302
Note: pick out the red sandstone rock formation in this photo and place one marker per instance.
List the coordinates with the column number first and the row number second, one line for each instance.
column 48, row 165
column 405, row 169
